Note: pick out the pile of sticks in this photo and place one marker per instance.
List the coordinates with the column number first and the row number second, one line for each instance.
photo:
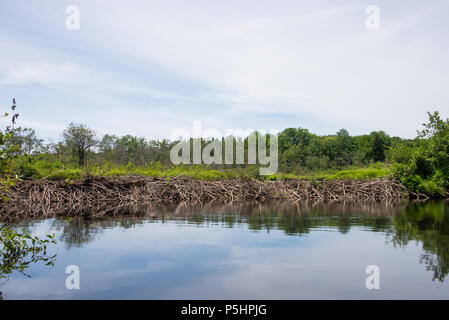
column 101, row 195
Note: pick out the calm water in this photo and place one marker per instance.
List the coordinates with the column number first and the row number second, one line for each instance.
column 275, row 251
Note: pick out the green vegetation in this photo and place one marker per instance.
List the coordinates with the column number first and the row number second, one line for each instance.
column 373, row 171
column 421, row 164
column 424, row 168
column 302, row 155
column 418, row 223
column 58, row 171
column 18, row 249
column 428, row 224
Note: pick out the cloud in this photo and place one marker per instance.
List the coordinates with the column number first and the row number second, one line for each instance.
column 225, row 60
column 42, row 73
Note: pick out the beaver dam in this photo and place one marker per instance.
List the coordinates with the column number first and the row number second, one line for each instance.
column 102, row 196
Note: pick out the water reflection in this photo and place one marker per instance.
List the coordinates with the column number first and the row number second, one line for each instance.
column 399, row 223
column 425, row 222
column 292, row 219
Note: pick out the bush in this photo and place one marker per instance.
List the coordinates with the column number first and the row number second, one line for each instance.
column 425, row 169
column 66, row 174
column 29, row 172
column 406, row 174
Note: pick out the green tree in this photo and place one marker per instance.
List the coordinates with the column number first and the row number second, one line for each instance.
column 292, row 157
column 424, row 166
column 107, row 143
column 131, row 149
column 436, row 131
column 27, row 140
column 380, row 142
column 344, row 146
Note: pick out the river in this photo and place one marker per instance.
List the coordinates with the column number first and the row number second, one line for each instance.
column 254, row 251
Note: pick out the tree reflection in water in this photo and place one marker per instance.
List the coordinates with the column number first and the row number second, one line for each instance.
column 427, row 223
column 402, row 222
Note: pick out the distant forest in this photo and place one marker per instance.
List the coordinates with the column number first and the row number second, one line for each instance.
column 422, row 163
column 300, row 151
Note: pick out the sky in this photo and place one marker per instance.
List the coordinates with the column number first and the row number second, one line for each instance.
column 149, row 68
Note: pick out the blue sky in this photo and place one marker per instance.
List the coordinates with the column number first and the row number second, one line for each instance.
column 148, row 68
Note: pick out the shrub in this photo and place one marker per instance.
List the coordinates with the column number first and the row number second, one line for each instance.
column 425, row 169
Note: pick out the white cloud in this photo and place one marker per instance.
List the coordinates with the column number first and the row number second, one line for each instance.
column 262, row 57
column 41, row 73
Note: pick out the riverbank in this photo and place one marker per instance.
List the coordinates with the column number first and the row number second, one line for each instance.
column 93, row 196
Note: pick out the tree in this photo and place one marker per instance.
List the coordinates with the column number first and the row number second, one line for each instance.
column 344, row 146
column 437, row 148
column 162, row 150
column 380, row 142
column 424, row 167
column 80, row 139
column 292, row 157
column 27, row 140
column 107, row 143
column 131, row 149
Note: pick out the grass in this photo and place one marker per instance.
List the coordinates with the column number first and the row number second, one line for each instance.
column 358, row 174
column 57, row 171
column 375, row 171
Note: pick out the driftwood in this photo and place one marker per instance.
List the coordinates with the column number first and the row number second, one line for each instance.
column 96, row 196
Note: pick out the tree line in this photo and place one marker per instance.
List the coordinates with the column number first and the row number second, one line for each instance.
column 422, row 163
column 299, row 150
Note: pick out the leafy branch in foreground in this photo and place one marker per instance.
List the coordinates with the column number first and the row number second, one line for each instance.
column 17, row 249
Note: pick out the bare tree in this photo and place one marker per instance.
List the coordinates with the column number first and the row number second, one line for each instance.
column 80, row 139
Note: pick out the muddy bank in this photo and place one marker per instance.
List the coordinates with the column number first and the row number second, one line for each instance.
column 100, row 195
